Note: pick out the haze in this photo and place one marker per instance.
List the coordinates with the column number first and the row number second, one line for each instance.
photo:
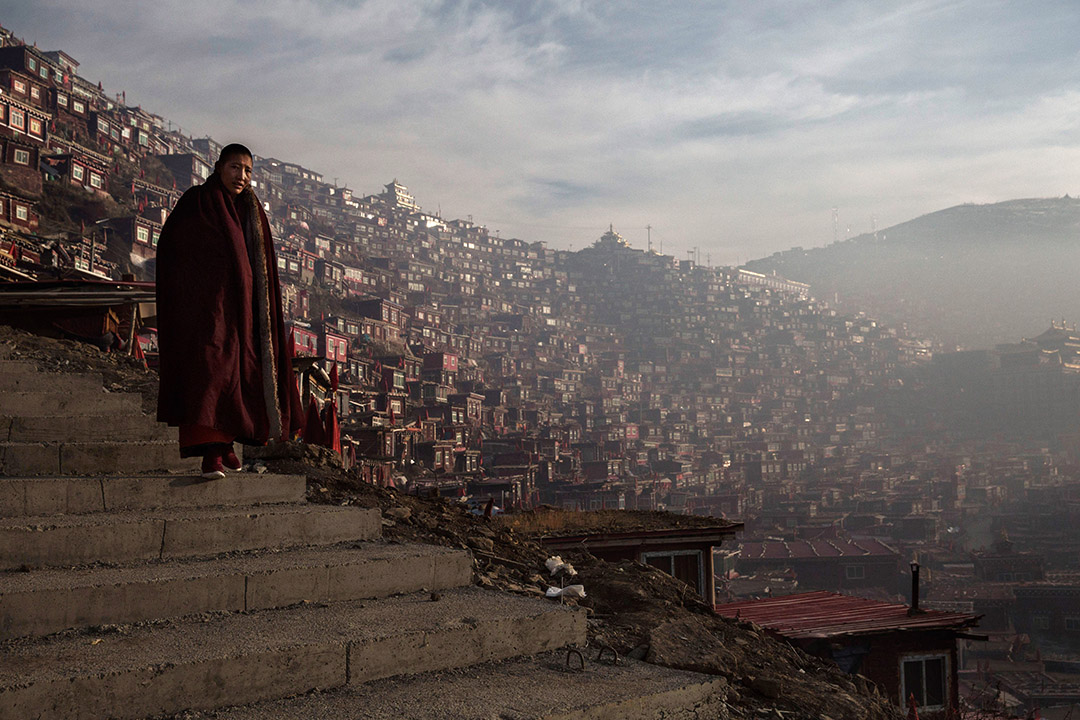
column 734, row 127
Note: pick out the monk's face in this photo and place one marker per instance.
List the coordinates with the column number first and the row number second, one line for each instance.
column 235, row 173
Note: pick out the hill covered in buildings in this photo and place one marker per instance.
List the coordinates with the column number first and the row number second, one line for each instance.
column 970, row 276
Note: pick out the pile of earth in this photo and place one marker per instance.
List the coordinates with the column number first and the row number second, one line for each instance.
column 633, row 608
column 120, row 371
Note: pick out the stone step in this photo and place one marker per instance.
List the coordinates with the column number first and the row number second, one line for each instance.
column 85, row 428
column 243, row 658
column 118, row 537
column 92, row 458
column 539, row 687
column 50, row 382
column 16, row 367
column 99, row 402
column 46, row 601
column 22, row 496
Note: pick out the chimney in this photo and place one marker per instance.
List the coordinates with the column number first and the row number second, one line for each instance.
column 914, row 589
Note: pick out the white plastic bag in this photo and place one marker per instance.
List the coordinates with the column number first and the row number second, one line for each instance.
column 570, row 591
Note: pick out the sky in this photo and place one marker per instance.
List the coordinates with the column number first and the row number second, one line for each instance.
column 731, row 127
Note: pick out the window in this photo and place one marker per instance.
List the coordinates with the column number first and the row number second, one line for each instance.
column 17, row 119
column 35, row 127
column 18, row 86
column 95, row 180
column 1040, row 621
column 925, row 678
column 684, row 565
column 1072, row 623
column 154, row 238
column 43, row 72
column 22, row 212
column 61, row 99
column 31, row 63
column 142, row 235
column 854, row 572
column 77, row 171
column 22, row 157
column 78, row 106
column 35, row 93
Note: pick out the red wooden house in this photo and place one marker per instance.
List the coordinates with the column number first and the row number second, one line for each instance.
column 908, row 652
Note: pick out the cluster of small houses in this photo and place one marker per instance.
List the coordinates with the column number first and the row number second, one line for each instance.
column 608, row 378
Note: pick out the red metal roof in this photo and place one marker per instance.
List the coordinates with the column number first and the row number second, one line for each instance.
column 826, row 614
column 807, row 549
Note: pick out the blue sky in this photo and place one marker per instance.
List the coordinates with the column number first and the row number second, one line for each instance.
column 735, row 127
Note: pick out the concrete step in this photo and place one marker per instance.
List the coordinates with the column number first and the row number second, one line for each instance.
column 16, row 367
column 22, row 496
column 98, row 402
column 85, row 428
column 46, row 601
column 49, row 382
column 244, row 658
column 118, row 537
column 92, row 458
column 539, row 687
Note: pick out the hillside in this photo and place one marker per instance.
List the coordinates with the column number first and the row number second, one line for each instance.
column 970, row 275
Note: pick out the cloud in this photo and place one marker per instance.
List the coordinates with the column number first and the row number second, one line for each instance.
column 732, row 125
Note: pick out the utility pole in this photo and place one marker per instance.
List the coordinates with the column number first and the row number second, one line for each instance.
column 649, row 229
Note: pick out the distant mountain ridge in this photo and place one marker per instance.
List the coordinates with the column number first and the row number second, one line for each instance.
column 970, row 275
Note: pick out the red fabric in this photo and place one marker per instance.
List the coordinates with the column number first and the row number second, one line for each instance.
column 313, row 427
column 332, row 429
column 194, row 435
column 210, row 369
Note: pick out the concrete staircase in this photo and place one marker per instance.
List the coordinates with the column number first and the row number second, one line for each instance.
column 67, row 424
column 127, row 595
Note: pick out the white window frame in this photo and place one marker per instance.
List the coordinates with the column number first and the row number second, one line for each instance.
column 96, row 181
column 946, row 683
column 142, row 235
column 18, row 86
column 78, row 106
column 22, row 212
column 21, row 157
column 61, row 100
column 77, row 172
column 35, row 92
column 16, row 113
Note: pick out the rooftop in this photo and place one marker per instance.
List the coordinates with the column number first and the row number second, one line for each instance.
column 826, row 615
column 823, row 548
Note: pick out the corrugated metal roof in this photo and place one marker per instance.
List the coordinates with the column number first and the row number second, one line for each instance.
column 826, row 614
column 807, row 549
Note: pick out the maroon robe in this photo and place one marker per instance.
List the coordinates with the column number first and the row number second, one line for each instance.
column 225, row 361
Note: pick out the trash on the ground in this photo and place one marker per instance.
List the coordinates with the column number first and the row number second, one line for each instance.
column 556, row 566
column 570, row 591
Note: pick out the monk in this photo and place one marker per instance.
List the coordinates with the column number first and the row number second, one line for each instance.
column 225, row 364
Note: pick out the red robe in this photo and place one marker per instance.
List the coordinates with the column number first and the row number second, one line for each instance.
column 225, row 361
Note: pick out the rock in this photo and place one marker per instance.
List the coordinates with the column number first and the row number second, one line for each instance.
column 689, row 645
column 639, row 652
column 767, row 687
column 398, row 513
column 481, row 543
